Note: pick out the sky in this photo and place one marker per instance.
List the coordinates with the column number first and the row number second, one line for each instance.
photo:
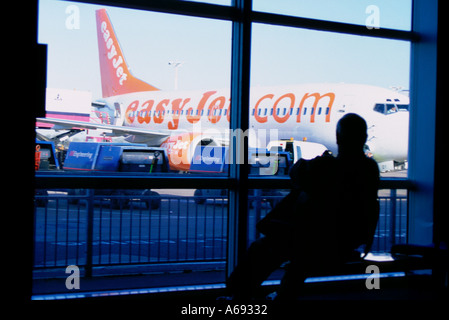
column 395, row 14
column 280, row 55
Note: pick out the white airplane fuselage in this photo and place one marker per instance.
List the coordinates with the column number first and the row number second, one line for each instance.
column 309, row 111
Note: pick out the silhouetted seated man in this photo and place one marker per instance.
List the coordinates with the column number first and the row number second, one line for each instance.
column 331, row 212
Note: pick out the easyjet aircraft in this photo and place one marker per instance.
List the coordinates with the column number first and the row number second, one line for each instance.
column 179, row 121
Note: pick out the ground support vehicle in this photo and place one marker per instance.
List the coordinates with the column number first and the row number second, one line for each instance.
column 118, row 158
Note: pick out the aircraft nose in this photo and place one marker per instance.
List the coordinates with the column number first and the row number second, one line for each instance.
column 389, row 140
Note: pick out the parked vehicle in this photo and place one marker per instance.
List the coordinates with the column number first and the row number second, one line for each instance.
column 118, row 158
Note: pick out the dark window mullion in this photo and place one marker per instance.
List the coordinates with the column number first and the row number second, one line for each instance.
column 239, row 169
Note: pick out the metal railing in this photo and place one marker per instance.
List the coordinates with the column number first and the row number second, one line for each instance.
column 93, row 230
column 391, row 228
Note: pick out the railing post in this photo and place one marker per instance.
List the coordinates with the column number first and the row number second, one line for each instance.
column 257, row 209
column 393, row 199
column 90, row 229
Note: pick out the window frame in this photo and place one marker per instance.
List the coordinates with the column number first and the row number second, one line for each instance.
column 420, row 181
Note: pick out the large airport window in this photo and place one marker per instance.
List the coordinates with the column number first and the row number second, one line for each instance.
column 141, row 165
column 132, row 93
column 129, row 76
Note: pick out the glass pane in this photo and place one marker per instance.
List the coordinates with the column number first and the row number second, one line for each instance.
column 303, row 82
column 129, row 76
column 370, row 13
column 154, row 232
column 391, row 227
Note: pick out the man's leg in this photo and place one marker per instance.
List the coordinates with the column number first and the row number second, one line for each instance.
column 292, row 282
column 308, row 263
column 263, row 257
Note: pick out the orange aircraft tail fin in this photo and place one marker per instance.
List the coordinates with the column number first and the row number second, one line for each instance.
column 116, row 78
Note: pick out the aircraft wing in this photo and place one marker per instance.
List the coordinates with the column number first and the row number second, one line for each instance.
column 61, row 124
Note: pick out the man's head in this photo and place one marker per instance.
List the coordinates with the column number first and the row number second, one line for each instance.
column 351, row 133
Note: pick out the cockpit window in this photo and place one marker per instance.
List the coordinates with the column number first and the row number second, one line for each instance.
column 379, row 107
column 403, row 107
column 390, row 108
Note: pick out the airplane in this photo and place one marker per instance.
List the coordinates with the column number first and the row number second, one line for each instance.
column 179, row 121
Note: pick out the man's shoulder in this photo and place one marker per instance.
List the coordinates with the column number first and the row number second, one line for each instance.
column 322, row 165
column 326, row 157
column 372, row 164
column 308, row 167
column 325, row 160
